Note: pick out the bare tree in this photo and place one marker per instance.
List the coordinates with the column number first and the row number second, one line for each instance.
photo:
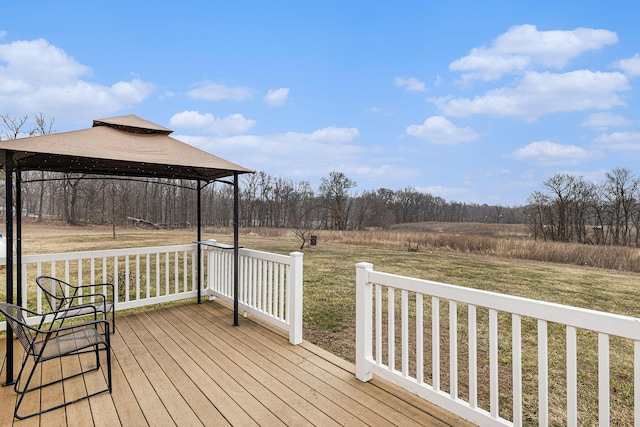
column 44, row 126
column 335, row 193
column 13, row 126
column 620, row 188
column 561, row 188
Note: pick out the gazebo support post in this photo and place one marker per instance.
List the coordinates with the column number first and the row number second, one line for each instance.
column 236, row 241
column 18, row 214
column 9, row 260
column 199, row 239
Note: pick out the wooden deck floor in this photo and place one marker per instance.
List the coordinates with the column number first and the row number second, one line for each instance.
column 185, row 365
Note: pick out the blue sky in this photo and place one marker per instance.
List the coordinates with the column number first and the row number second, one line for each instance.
column 477, row 102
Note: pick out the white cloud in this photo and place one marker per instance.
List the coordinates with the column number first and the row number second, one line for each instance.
column 39, row 61
column 630, row 66
column 37, row 76
column 133, row 92
column 191, row 120
column 334, row 134
column 297, row 155
column 207, row 123
column 217, row 92
column 232, row 124
column 439, row 130
column 385, row 112
column 546, row 153
column 310, row 156
column 605, row 120
column 619, row 141
column 543, row 93
column 276, row 97
column 447, row 193
column 382, row 172
column 410, row 85
column 523, row 47
column 488, row 66
column 312, row 144
column 166, row 95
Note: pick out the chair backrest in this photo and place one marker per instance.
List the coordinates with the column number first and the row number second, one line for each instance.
column 55, row 291
column 15, row 318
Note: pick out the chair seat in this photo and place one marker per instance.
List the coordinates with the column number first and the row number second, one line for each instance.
column 68, row 343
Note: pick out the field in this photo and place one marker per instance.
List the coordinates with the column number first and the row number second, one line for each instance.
column 494, row 257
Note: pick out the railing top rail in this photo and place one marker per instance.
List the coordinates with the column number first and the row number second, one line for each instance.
column 608, row 323
column 268, row 256
column 61, row 256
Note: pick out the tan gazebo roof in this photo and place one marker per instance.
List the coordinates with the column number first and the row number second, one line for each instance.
column 120, row 146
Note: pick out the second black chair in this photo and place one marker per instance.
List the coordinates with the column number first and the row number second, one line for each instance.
column 75, row 301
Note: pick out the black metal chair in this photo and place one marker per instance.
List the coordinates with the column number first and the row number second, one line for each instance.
column 46, row 343
column 70, row 301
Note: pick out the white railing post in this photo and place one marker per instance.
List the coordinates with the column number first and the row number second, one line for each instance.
column 364, row 319
column 294, row 289
column 211, row 271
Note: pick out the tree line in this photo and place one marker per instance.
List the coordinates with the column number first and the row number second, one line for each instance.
column 265, row 200
column 572, row 209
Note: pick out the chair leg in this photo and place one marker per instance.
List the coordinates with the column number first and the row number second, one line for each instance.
column 113, row 319
column 16, row 386
column 98, row 356
column 27, row 390
column 109, row 361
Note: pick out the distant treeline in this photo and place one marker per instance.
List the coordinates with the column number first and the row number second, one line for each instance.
column 265, row 201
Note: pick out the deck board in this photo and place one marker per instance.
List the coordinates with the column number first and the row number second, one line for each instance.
column 337, row 395
column 269, row 394
column 185, row 364
column 289, row 380
column 203, row 409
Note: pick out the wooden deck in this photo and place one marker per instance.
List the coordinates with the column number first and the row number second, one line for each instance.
column 186, row 365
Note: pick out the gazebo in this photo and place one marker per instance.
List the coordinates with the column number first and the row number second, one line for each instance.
column 124, row 146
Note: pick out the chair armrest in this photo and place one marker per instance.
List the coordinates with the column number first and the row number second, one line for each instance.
column 56, row 331
column 34, row 313
column 82, row 325
column 63, row 312
column 110, row 289
column 94, row 285
column 75, row 297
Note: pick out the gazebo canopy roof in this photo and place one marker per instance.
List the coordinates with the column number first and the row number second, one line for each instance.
column 120, row 146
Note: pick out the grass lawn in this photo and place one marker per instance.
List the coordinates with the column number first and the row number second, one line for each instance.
column 329, row 294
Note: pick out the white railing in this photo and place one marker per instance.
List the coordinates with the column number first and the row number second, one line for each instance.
column 269, row 285
column 515, row 355
column 154, row 275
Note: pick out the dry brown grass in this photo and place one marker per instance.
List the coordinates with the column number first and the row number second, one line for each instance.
column 501, row 240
